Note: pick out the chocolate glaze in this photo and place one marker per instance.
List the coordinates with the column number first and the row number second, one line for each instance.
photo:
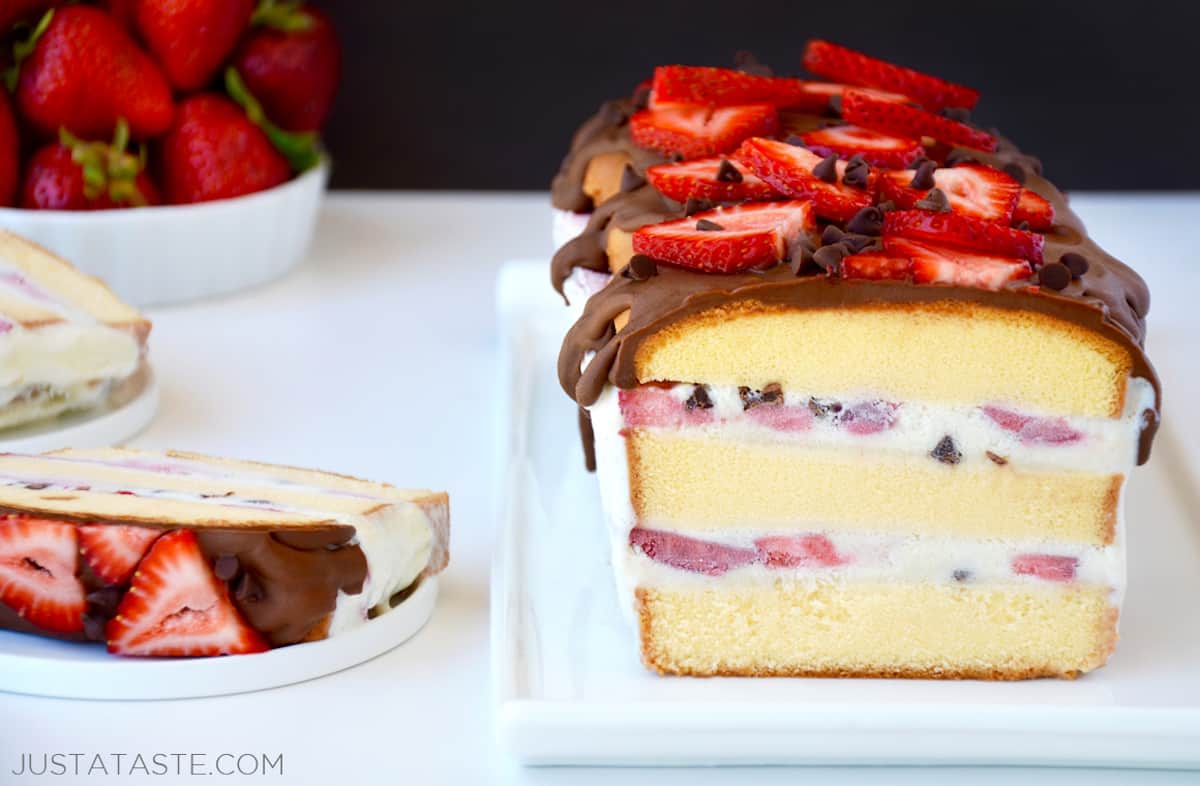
column 1109, row 298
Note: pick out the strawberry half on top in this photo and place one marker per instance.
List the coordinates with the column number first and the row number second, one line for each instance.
column 789, row 170
column 882, row 150
column 716, row 179
column 700, row 131
column 39, row 560
column 941, row 264
column 113, row 551
column 176, row 606
column 846, row 65
column 728, row 239
column 865, row 110
column 678, row 84
column 964, row 232
column 972, row 189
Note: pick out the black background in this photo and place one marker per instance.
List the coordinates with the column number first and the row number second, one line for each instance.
column 486, row 95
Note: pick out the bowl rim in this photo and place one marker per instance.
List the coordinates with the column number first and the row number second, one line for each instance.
column 310, row 178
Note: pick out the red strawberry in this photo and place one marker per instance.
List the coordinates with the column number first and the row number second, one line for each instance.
column 1050, row 567
column 76, row 175
column 214, row 152
column 123, row 11
column 877, row 266
column 935, row 264
column 85, row 73
column 291, row 61
column 966, row 232
column 798, row 551
column 868, row 417
column 738, row 238
column 651, row 406
column 1035, row 209
column 882, row 150
column 10, row 151
column 112, row 551
column 1033, row 430
column 846, row 65
column 789, row 170
column 697, row 131
column 191, row 38
column 708, row 178
column 909, row 121
column 972, row 189
column 692, row 554
column 38, row 562
column 677, row 84
column 176, row 606
column 827, row 90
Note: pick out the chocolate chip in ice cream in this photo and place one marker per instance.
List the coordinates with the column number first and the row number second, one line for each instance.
column 699, row 399
column 946, row 451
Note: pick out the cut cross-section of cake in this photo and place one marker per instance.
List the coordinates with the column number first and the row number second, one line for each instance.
column 894, row 443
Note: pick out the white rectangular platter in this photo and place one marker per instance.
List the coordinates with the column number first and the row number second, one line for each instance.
column 570, row 689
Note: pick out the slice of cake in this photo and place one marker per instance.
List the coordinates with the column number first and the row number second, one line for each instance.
column 66, row 341
column 179, row 554
column 866, row 404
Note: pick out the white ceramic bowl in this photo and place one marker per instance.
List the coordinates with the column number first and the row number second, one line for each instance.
column 157, row 255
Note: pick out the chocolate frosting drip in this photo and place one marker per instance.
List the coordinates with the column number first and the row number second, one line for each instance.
column 605, row 132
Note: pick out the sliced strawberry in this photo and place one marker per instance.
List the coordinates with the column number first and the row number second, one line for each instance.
column 38, row 562
column 868, row 417
column 750, row 235
column 699, row 179
column 1035, row 209
column 966, row 232
column 1050, row 567
column 691, row 554
column 652, row 406
column 883, row 150
column 936, row 264
column 1033, row 430
column 799, row 551
column 176, row 606
column 889, row 117
column 876, row 266
column 827, row 90
column 699, row 131
column 972, row 189
column 782, row 418
column 846, row 65
column 678, row 84
column 789, row 170
column 112, row 551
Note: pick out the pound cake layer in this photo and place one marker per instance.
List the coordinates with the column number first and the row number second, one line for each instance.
column 936, row 352
column 834, row 629
column 708, row 484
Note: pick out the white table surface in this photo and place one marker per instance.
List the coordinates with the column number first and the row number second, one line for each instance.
column 378, row 358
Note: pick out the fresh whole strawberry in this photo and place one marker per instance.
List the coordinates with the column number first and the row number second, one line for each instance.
column 291, row 62
column 728, row 239
column 10, row 152
column 39, row 560
column 176, row 606
column 124, row 12
column 84, row 72
column 191, row 38
column 13, row 12
column 213, row 151
column 74, row 175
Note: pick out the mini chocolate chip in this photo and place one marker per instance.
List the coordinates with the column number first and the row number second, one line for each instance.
column 248, row 589
column 935, row 201
column 958, row 113
column 830, row 258
column 831, row 234
column 94, row 626
column 801, row 260
column 226, row 566
column 105, row 601
column 704, row 225
column 827, row 169
column 694, row 205
column 857, row 175
column 677, row 158
column 640, row 268
column 1015, row 171
column 728, row 173
column 641, row 97
column 961, row 575
column 630, row 179
column 857, row 243
column 699, row 399
column 868, row 221
column 769, row 394
column 923, row 178
column 37, row 486
column 1077, row 263
column 1054, row 276
column 795, row 140
column 946, row 451
column 996, row 458
column 823, row 408
column 747, row 63
column 1022, row 225
column 835, row 103
column 959, row 156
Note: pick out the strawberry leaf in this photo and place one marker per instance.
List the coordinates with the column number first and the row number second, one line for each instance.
column 301, row 149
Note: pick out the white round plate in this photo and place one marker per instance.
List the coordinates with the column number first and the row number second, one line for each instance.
column 94, row 428
column 67, row 670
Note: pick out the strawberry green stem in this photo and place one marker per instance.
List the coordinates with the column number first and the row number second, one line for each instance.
column 285, row 15
column 23, row 49
column 301, row 149
column 108, row 168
